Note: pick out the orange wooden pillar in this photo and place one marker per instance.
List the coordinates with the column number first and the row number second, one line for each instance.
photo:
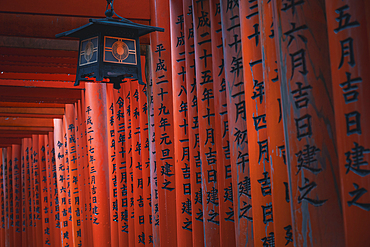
column 181, row 169
column 348, row 33
column 23, row 191
column 121, row 168
column 224, row 176
column 36, row 188
column 144, row 139
column 17, row 194
column 206, row 121
column 255, row 101
column 112, row 166
column 61, row 181
column 137, row 179
column 308, row 116
column 153, row 168
column 28, row 186
column 194, row 153
column 275, row 129
column 9, row 187
column 163, row 119
column 52, row 190
column 2, row 201
column 80, row 135
column 96, row 124
column 44, row 200
column 74, row 208
column 85, row 171
column 126, row 91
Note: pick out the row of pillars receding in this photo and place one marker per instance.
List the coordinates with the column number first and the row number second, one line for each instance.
column 252, row 130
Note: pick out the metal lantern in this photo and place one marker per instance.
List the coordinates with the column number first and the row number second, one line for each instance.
column 109, row 48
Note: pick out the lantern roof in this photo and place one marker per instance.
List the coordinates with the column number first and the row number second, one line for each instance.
column 97, row 24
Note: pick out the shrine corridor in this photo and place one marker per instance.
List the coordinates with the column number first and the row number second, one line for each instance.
column 251, row 129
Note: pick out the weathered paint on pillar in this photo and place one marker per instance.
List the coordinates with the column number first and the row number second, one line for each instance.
column 112, row 167
column 6, row 194
column 236, row 108
column 275, row 129
column 224, row 180
column 28, row 185
column 206, row 120
column 181, row 170
column 308, row 116
column 255, row 101
column 163, row 119
column 17, row 208
column 96, row 124
column 194, row 153
column 348, row 33
column 10, row 227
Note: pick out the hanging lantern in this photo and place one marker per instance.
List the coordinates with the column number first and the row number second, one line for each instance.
column 109, row 48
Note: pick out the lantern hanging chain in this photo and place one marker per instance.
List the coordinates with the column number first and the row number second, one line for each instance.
column 110, row 12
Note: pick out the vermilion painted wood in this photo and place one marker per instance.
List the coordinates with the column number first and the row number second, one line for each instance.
column 2, row 201
column 44, row 200
column 276, row 142
column 10, row 141
column 28, row 184
column 194, row 154
column 17, row 194
column 144, row 138
column 96, row 125
column 226, row 210
column 30, row 105
column 67, row 79
column 112, row 167
column 8, row 235
column 86, row 172
column 37, row 95
column 61, row 182
column 127, row 94
column 73, row 174
column 348, row 33
column 308, row 116
column 163, row 120
column 79, row 130
column 36, row 83
column 36, row 190
column 23, row 122
column 153, row 167
column 121, row 168
column 137, row 167
column 92, row 9
column 181, row 169
column 206, row 119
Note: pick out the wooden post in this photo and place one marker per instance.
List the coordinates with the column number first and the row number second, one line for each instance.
column 28, row 186
column 348, row 33
column 17, row 208
column 194, row 153
column 2, row 201
column 44, row 200
column 96, row 124
column 129, row 173
column 181, row 169
column 163, row 119
column 144, row 138
column 121, row 172
column 279, row 175
column 137, row 182
column 36, row 189
column 308, row 116
column 112, row 167
column 7, row 154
